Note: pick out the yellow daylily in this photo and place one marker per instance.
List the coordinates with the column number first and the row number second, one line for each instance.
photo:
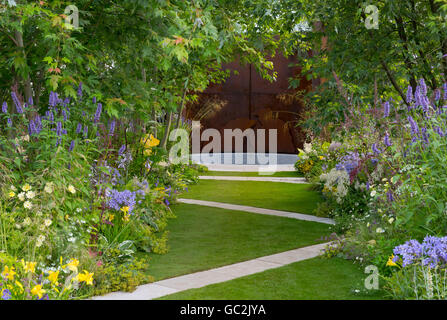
column 8, row 273
column 53, row 276
column 38, row 291
column 149, row 141
column 29, row 266
column 86, row 277
column 390, row 262
column 73, row 265
column 125, row 209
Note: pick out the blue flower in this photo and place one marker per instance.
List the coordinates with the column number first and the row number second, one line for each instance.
column 6, row 294
column 387, row 140
column 5, row 107
column 16, row 102
column 375, row 149
column 386, row 109
column 78, row 128
column 409, row 95
column 414, row 126
column 98, row 113
column 72, row 145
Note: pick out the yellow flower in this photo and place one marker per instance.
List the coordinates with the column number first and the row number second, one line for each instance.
column 390, row 262
column 53, row 276
column 12, row 194
column 71, row 189
column 321, row 158
column 111, row 217
column 125, row 209
column 8, row 273
column 73, row 265
column 126, row 217
column 26, row 187
column 149, row 141
column 86, row 277
column 29, row 266
column 38, row 291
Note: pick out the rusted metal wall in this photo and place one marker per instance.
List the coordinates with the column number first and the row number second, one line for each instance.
column 250, row 101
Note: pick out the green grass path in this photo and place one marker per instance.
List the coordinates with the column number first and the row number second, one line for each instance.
column 269, row 195
column 202, row 238
column 316, row 279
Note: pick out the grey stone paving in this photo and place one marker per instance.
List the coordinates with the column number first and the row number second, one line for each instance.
column 266, row 170
column 200, row 279
column 267, row 179
column 287, row 214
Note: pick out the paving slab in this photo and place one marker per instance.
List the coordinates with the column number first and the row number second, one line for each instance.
column 264, row 179
column 279, row 213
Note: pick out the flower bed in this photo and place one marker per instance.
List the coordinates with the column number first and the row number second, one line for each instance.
column 383, row 176
column 75, row 186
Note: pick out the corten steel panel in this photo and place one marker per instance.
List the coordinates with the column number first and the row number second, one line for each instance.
column 249, row 98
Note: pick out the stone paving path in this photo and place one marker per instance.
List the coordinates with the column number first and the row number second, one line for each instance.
column 287, row 214
column 267, row 179
column 200, row 279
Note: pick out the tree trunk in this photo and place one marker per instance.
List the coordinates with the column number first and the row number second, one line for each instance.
column 26, row 81
column 182, row 104
column 164, row 141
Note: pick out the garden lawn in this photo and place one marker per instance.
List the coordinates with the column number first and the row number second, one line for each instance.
column 279, row 174
column 202, row 238
column 313, row 279
column 269, row 195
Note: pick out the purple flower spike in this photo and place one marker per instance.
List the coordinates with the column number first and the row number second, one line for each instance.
column 79, row 128
column 423, row 87
column 386, row 109
column 122, row 149
column 5, row 107
column 30, row 101
column 112, row 127
column 94, row 100
column 410, row 94
column 16, row 102
column 98, row 113
column 414, row 126
column 375, row 149
column 59, row 128
column 72, row 145
column 444, row 87
column 80, row 90
column 9, row 122
column 387, row 140
column 85, row 131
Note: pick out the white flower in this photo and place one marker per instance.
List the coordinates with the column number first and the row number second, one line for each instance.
column 49, row 187
column 307, row 147
column 27, row 205
column 380, row 230
column 30, row 194
column 27, row 221
column 391, row 220
column 21, row 196
column 39, row 213
column 40, row 240
column 367, row 225
column 78, row 210
column 373, row 193
column 71, row 189
column 13, row 188
column 47, row 222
